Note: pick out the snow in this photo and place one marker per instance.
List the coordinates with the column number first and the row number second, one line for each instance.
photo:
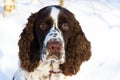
column 100, row 20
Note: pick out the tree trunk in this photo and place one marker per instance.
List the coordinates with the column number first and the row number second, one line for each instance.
column 34, row 1
column 9, row 6
column 61, row 2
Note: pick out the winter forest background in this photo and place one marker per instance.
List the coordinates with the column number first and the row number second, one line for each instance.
column 100, row 21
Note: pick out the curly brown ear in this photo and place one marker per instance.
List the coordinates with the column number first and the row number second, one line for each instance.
column 26, row 43
column 77, row 51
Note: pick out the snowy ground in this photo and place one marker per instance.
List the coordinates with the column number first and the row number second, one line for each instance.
column 100, row 20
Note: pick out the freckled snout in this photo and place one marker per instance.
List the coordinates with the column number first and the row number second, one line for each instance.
column 54, row 47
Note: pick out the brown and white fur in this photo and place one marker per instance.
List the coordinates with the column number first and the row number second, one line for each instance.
column 52, row 46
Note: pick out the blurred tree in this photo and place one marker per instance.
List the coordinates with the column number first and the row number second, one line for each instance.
column 9, row 6
column 34, row 1
column 61, row 2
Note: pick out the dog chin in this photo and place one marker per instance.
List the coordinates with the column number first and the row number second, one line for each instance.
column 53, row 58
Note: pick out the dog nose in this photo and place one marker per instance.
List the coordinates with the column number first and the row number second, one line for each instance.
column 54, row 47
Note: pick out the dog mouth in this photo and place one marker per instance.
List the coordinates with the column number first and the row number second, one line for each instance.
column 53, row 55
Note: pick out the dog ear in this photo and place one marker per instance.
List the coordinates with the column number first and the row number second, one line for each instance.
column 27, row 45
column 78, row 50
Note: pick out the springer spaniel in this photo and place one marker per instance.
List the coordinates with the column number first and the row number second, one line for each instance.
column 52, row 46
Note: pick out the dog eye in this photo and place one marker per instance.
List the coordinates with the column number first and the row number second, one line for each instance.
column 65, row 26
column 43, row 26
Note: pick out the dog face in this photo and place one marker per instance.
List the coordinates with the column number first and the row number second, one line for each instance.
column 53, row 30
column 53, row 35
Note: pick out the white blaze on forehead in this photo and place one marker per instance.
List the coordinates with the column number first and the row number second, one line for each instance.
column 54, row 14
column 54, row 34
column 54, row 30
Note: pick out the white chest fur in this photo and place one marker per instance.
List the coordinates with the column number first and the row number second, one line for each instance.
column 42, row 72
